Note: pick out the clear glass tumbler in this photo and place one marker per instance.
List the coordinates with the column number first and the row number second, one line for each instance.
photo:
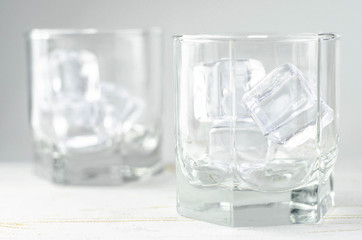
column 256, row 127
column 95, row 104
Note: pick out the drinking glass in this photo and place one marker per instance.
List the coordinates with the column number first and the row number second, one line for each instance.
column 95, row 104
column 256, row 127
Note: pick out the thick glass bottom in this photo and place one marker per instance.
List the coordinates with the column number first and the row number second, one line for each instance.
column 241, row 208
column 96, row 168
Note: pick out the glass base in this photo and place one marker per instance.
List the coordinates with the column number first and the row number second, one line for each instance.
column 244, row 208
column 97, row 168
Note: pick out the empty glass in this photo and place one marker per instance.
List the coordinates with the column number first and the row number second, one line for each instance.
column 95, row 107
column 256, row 127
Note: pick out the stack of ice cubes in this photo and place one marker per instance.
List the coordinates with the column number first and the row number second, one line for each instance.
column 254, row 115
column 87, row 113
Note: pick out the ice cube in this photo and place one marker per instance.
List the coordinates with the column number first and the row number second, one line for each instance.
column 216, row 84
column 79, row 125
column 94, row 124
column 74, row 75
column 124, row 107
column 284, row 107
column 283, row 168
column 244, row 142
column 140, row 140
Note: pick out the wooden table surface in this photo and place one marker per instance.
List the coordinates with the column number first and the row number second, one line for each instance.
column 32, row 208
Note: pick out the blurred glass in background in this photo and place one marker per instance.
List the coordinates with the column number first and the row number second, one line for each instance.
column 95, row 104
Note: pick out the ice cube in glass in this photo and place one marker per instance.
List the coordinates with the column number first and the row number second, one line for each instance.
column 74, row 75
column 213, row 92
column 285, row 107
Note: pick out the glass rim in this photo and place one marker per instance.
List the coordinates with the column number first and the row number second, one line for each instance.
column 51, row 33
column 257, row 37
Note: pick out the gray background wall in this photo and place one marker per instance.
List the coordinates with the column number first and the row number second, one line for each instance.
column 175, row 16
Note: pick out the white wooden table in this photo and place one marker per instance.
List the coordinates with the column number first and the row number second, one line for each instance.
column 32, row 208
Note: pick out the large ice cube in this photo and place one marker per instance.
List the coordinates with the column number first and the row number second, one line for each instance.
column 216, row 84
column 244, row 142
column 121, row 105
column 140, row 140
column 79, row 125
column 285, row 107
column 94, row 124
column 74, row 75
